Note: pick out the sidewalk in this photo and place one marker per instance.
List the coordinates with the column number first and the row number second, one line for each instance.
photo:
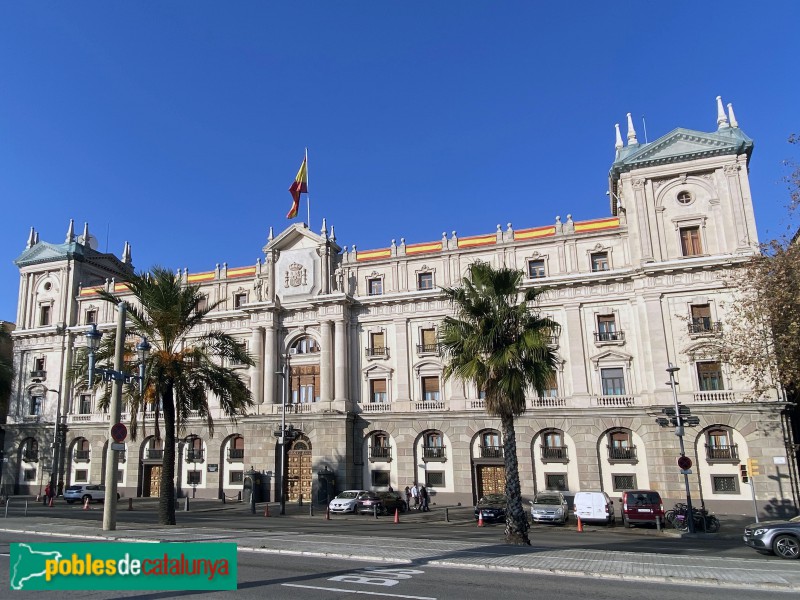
column 758, row 572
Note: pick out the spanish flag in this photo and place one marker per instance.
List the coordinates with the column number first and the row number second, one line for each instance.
column 299, row 186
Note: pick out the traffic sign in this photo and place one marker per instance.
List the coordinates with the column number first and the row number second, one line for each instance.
column 684, row 462
column 119, row 432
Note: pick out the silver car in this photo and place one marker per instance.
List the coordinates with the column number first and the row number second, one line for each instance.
column 85, row 491
column 346, row 501
column 549, row 507
column 779, row 537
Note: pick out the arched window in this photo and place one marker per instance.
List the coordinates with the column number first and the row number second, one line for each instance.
column 720, row 446
column 82, row 450
column 620, row 446
column 194, row 449
column 30, row 450
column 433, row 446
column 305, row 345
column 379, row 449
column 553, row 448
column 236, row 449
column 491, row 446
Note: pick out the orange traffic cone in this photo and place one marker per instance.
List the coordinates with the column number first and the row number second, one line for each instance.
column 580, row 525
column 86, row 504
column 480, row 518
column 396, row 516
column 266, row 509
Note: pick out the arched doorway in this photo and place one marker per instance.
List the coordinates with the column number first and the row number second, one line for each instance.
column 298, row 481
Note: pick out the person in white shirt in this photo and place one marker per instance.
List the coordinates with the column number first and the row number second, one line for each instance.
column 415, row 495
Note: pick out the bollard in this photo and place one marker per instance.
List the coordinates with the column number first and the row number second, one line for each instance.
column 310, row 509
column 7, row 501
column 300, row 500
column 26, row 508
column 130, row 503
column 375, row 511
column 658, row 523
column 223, row 498
column 186, row 504
column 446, row 514
column 240, row 496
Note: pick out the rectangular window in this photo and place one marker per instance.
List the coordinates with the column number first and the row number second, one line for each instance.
column 202, row 304
column 29, row 474
column 44, row 315
column 380, row 478
column 236, row 477
column 91, row 317
column 120, row 476
column 607, row 328
column 690, row 241
column 377, row 343
column 551, row 390
column 375, row 286
column 701, row 318
column 193, row 477
column 429, row 343
column 377, row 390
column 624, row 482
column 36, row 405
column 599, row 261
column 425, row 281
column 434, row 479
column 709, row 376
column 40, row 364
column 85, row 404
column 81, row 476
column 430, row 388
column 239, row 300
column 725, row 484
column 556, row 481
column 613, row 382
column 305, row 384
column 536, row 269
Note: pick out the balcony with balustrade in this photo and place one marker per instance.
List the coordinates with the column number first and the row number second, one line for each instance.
column 434, row 454
column 380, row 453
column 377, row 351
column 622, row 454
column 428, row 349
column 81, row 456
column 236, row 454
column 722, row 453
column 154, row 454
column 554, row 454
column 194, row 455
column 492, row 452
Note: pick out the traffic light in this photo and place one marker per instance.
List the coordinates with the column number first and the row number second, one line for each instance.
column 752, row 467
column 745, row 476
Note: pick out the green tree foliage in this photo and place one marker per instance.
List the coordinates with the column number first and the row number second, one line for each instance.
column 498, row 343
column 183, row 368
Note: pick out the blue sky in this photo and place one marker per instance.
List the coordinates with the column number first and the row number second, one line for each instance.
column 179, row 126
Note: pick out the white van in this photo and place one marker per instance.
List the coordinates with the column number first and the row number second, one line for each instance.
column 594, row 506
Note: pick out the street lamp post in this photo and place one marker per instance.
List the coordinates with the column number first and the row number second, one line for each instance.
column 118, row 377
column 679, row 432
column 56, row 449
column 282, row 436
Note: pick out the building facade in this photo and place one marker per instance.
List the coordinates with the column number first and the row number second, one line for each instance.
column 345, row 342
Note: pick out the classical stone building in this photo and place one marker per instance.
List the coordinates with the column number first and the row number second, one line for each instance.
column 356, row 332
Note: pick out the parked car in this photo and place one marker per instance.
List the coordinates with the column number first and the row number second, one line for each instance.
column 493, row 508
column 779, row 537
column 81, row 492
column 549, row 507
column 594, row 507
column 346, row 501
column 641, row 507
column 386, row 502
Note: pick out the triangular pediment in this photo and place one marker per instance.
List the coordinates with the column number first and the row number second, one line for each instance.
column 611, row 356
column 297, row 236
column 682, row 145
column 44, row 252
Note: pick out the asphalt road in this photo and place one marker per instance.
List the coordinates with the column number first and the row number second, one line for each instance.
column 412, row 526
column 292, row 577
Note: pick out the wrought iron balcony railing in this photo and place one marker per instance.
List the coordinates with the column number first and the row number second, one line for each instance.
column 609, row 336
column 377, row 351
column 554, row 454
column 155, row 453
column 380, row 453
column 722, row 453
column 236, row 454
column 434, row 453
column 194, row 455
column 491, row 452
column 622, row 454
column 704, row 325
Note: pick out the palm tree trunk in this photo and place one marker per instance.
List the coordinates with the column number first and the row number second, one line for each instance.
column 516, row 519
column 166, row 499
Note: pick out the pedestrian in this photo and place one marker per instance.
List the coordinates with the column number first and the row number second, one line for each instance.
column 408, row 498
column 415, row 495
column 46, row 498
column 423, row 498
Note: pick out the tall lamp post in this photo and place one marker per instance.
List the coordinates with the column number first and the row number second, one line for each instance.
column 679, row 432
column 118, row 377
column 56, row 449
column 282, row 436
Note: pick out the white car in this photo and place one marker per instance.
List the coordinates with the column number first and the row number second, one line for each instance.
column 82, row 491
column 346, row 501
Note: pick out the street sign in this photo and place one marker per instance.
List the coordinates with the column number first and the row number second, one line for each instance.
column 118, row 446
column 684, row 462
column 119, row 432
column 779, row 460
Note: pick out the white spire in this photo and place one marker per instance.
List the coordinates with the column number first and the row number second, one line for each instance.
column 722, row 120
column 31, row 239
column 618, row 145
column 324, row 231
column 36, row 238
column 270, row 237
column 86, row 234
column 632, row 141
column 333, row 235
column 126, row 253
column 731, row 116
column 70, row 232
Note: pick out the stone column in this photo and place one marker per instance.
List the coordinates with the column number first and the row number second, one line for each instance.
column 340, row 360
column 270, row 366
column 257, row 372
column 325, row 366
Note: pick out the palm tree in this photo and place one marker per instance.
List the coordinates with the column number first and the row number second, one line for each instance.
column 181, row 370
column 496, row 342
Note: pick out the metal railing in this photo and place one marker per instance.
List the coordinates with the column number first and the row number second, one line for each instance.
column 428, row 348
column 722, row 453
column 554, row 453
column 704, row 325
column 194, row 455
column 81, row 456
column 621, row 454
column 155, row 453
column 434, row 452
column 236, row 453
column 380, row 453
column 377, row 351
column 609, row 336
column 491, row 452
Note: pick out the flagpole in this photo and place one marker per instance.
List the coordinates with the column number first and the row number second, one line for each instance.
column 308, row 196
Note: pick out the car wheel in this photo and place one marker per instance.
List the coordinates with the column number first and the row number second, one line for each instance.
column 787, row 546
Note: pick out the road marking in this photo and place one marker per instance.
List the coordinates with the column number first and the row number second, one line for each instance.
column 330, row 589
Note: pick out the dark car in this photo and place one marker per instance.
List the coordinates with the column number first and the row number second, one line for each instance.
column 779, row 537
column 641, row 507
column 492, row 507
column 386, row 503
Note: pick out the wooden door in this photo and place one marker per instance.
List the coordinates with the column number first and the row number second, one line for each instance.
column 491, row 480
column 299, row 472
column 155, row 481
